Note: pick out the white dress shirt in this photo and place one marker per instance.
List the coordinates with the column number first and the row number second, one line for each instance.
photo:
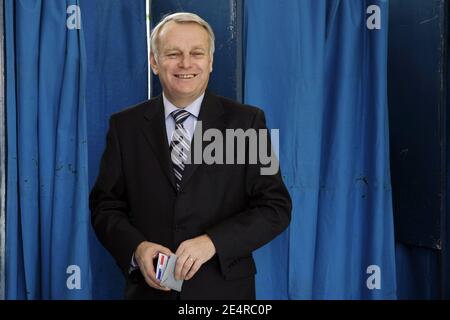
column 189, row 124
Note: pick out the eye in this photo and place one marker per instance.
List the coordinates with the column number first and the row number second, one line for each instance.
column 172, row 55
column 198, row 54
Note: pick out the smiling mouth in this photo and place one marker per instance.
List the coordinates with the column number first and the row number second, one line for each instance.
column 185, row 76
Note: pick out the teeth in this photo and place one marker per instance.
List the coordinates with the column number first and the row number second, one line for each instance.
column 185, row 76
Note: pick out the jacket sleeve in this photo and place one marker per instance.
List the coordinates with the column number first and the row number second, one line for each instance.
column 109, row 206
column 268, row 213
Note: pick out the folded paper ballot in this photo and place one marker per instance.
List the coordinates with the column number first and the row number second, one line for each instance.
column 161, row 265
column 167, row 268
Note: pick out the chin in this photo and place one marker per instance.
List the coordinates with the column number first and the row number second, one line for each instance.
column 186, row 93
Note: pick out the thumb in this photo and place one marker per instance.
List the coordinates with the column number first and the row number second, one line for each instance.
column 165, row 250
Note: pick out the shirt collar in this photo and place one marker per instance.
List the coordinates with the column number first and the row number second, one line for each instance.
column 193, row 108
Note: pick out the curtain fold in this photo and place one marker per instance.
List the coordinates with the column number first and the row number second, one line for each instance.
column 320, row 74
column 117, row 66
column 313, row 66
column 47, row 184
column 70, row 65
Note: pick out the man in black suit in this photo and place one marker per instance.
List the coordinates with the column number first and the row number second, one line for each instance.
column 149, row 198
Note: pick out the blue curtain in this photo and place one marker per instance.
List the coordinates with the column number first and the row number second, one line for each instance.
column 117, row 65
column 313, row 66
column 320, row 75
column 62, row 85
column 47, row 182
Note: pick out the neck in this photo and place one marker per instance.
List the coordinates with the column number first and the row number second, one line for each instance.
column 182, row 102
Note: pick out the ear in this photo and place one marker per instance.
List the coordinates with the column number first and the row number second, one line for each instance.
column 153, row 64
column 211, row 65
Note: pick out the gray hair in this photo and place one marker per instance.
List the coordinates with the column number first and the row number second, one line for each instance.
column 181, row 17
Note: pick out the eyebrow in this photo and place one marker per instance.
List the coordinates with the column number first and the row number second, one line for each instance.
column 171, row 48
column 178, row 49
column 199, row 48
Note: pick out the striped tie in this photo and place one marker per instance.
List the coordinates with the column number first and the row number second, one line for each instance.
column 180, row 145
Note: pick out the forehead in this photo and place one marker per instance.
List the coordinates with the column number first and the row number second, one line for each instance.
column 182, row 34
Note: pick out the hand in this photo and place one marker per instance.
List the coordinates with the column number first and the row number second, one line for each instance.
column 145, row 253
column 192, row 254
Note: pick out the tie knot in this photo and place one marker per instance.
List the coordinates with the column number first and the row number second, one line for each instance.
column 180, row 116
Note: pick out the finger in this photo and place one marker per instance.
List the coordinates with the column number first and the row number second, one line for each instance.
column 164, row 250
column 180, row 250
column 186, row 267
column 179, row 266
column 152, row 283
column 148, row 270
column 150, row 273
column 195, row 267
column 155, row 285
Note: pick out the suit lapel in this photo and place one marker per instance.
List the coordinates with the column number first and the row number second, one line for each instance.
column 154, row 129
column 210, row 117
column 155, row 132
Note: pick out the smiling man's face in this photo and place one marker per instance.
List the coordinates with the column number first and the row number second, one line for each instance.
column 183, row 63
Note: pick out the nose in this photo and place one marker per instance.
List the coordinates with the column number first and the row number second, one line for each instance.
column 185, row 61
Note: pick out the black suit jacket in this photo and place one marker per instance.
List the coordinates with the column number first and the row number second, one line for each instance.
column 134, row 199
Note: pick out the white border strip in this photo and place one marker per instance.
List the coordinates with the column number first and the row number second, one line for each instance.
column 2, row 156
column 148, row 5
